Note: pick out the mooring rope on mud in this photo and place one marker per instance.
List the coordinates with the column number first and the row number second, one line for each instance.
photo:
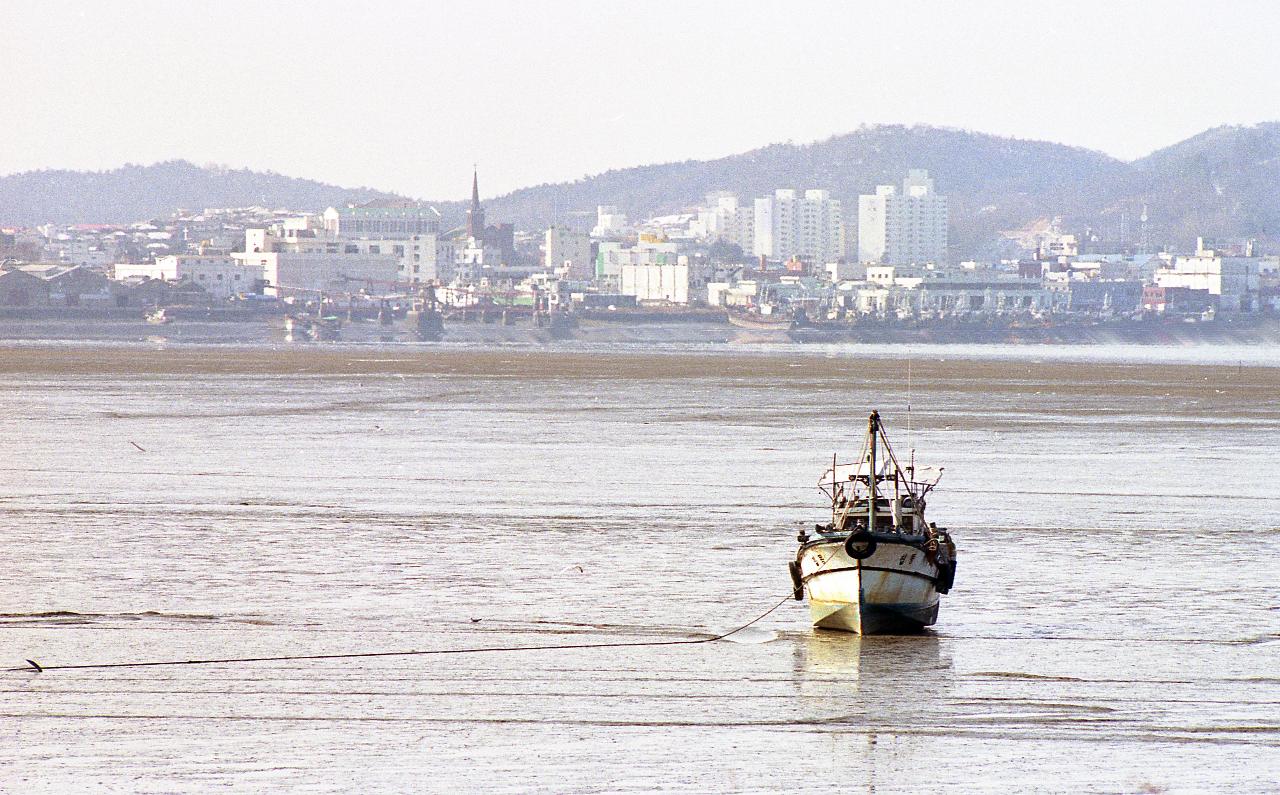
column 35, row 667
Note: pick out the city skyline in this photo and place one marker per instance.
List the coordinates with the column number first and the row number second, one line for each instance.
column 313, row 91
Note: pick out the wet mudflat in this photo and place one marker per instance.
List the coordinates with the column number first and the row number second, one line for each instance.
column 1115, row 624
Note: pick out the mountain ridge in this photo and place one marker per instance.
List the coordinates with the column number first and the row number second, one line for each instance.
column 136, row 192
column 1221, row 182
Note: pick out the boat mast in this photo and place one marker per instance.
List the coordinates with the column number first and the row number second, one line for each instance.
column 873, row 430
column 835, row 488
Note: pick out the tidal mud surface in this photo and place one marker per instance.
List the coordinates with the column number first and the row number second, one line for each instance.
column 1115, row 624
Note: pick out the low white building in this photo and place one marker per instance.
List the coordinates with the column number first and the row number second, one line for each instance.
column 285, row 272
column 838, row 271
column 83, row 252
column 219, row 276
column 668, row 283
column 947, row 297
column 423, row 258
column 742, row 293
column 299, row 256
column 610, row 256
column 1233, row 279
column 907, row 296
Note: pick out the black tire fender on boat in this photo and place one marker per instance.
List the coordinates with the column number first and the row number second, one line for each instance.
column 860, row 545
column 797, row 581
column 946, row 577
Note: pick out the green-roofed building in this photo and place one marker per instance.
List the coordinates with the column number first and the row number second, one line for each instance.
column 383, row 221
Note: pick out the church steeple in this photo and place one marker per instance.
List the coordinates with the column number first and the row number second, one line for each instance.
column 475, row 215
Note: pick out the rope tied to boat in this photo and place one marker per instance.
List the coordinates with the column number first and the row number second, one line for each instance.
column 34, row 667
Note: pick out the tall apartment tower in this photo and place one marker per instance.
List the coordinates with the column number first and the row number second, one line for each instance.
column 903, row 228
column 788, row 225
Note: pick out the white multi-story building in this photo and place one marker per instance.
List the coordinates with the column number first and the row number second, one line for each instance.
column 570, row 250
column 1234, row 280
column 428, row 257
column 286, row 272
column 310, row 262
column 219, row 276
column 724, row 218
column 788, row 225
column 654, row 282
column 611, row 257
column 903, row 228
column 310, row 255
column 87, row 250
column 423, row 258
column 610, row 223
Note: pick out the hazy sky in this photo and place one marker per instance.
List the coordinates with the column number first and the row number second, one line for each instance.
column 405, row 96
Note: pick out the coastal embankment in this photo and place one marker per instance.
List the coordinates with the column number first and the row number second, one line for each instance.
column 254, row 326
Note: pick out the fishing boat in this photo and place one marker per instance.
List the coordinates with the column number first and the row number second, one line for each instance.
column 427, row 323
column 561, row 324
column 158, row 317
column 878, row 566
column 758, row 320
column 305, row 328
column 425, row 317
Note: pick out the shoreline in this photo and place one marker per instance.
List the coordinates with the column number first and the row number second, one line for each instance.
column 258, row 329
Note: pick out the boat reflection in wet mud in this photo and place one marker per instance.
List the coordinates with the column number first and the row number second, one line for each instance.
column 878, row 566
column 883, row 663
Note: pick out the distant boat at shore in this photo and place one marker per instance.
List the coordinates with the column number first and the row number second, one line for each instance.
column 878, row 566
column 757, row 320
column 427, row 323
column 304, row 328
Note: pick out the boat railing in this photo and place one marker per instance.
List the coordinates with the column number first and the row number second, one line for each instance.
column 850, row 485
column 857, row 486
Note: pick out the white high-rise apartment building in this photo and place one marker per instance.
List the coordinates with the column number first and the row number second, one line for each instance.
column 903, row 228
column 809, row 227
column 725, row 218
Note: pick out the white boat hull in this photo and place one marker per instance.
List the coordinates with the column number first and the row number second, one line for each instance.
column 892, row 590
